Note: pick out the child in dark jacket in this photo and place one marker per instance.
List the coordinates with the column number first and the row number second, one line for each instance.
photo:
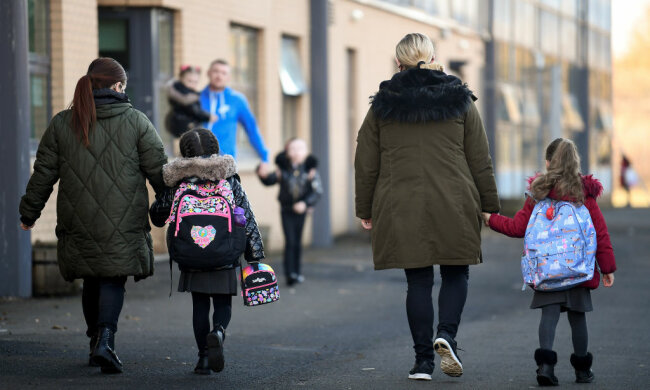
column 300, row 189
column 563, row 181
column 202, row 165
column 185, row 109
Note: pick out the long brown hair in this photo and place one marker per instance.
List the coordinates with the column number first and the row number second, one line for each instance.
column 563, row 173
column 102, row 73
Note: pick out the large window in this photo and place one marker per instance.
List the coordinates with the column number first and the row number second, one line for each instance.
column 244, row 43
column 502, row 19
column 569, row 41
column 549, row 32
column 39, row 67
column 293, row 86
column 525, row 24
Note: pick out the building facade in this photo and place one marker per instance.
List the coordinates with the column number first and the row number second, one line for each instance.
column 550, row 71
column 268, row 46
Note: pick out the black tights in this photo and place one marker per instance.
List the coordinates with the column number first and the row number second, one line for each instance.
column 102, row 300
column 201, row 315
column 292, row 225
column 419, row 305
column 548, row 323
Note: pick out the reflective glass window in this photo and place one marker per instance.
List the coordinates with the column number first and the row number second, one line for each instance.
column 525, row 23
column 502, row 19
column 39, row 67
column 244, row 67
column 569, row 41
column 549, row 28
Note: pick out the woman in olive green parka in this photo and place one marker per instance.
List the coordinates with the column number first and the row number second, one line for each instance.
column 101, row 151
column 423, row 175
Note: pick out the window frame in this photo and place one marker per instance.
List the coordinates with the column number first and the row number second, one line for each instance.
column 40, row 65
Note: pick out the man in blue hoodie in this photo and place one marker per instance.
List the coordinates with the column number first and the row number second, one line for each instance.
column 230, row 107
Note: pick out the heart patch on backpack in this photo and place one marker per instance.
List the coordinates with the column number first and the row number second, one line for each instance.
column 203, row 235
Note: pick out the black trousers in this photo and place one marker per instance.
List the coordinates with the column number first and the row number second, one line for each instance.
column 102, row 301
column 201, row 315
column 292, row 225
column 419, row 304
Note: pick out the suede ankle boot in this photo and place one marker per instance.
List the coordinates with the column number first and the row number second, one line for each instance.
column 202, row 366
column 582, row 365
column 104, row 354
column 546, row 361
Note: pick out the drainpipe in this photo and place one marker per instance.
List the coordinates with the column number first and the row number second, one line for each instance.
column 15, row 244
column 318, row 59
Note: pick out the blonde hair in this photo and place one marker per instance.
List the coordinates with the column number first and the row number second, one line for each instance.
column 563, row 172
column 416, row 50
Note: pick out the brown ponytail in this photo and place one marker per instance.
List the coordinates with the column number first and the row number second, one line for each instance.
column 563, row 173
column 102, row 73
column 83, row 109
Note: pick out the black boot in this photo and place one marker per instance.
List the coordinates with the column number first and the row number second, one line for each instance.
column 93, row 344
column 215, row 349
column 582, row 365
column 202, row 367
column 104, row 354
column 546, row 361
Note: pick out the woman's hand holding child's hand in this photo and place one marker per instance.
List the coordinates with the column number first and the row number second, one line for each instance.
column 486, row 219
column 608, row 280
column 366, row 223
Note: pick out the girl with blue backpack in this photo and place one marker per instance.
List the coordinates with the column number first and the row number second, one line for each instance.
column 564, row 230
column 211, row 225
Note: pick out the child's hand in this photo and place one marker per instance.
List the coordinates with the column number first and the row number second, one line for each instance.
column 213, row 118
column 25, row 227
column 312, row 173
column 366, row 223
column 263, row 170
column 486, row 219
column 608, row 280
column 300, row 207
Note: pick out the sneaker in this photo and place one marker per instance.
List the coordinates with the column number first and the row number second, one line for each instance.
column 422, row 371
column 450, row 363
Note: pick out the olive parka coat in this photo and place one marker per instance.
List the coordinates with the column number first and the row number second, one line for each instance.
column 102, row 203
column 423, row 172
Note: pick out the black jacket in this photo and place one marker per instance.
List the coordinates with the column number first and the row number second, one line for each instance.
column 185, row 109
column 295, row 184
column 199, row 170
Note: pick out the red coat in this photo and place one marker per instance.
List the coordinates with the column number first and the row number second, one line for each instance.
column 516, row 227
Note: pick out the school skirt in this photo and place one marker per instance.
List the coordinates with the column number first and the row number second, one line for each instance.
column 575, row 299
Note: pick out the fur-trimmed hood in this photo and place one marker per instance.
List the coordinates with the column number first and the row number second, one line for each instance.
column 592, row 186
column 283, row 162
column 421, row 95
column 213, row 168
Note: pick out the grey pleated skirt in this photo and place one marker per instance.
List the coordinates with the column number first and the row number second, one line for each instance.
column 209, row 282
column 575, row 299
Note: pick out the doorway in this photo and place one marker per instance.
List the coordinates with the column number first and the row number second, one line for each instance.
column 141, row 39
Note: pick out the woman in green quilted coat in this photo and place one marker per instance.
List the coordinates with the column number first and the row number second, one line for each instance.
column 101, row 151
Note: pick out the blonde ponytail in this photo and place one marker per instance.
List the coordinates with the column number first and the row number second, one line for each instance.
column 416, row 50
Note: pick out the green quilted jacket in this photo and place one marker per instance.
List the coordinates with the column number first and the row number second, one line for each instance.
column 102, row 204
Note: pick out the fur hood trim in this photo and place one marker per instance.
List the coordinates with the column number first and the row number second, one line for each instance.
column 213, row 168
column 421, row 95
column 282, row 161
column 592, row 186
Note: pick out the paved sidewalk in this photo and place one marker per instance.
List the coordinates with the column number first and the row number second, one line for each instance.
column 345, row 328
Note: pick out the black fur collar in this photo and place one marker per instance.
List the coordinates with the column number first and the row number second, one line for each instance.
column 213, row 168
column 283, row 162
column 421, row 95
